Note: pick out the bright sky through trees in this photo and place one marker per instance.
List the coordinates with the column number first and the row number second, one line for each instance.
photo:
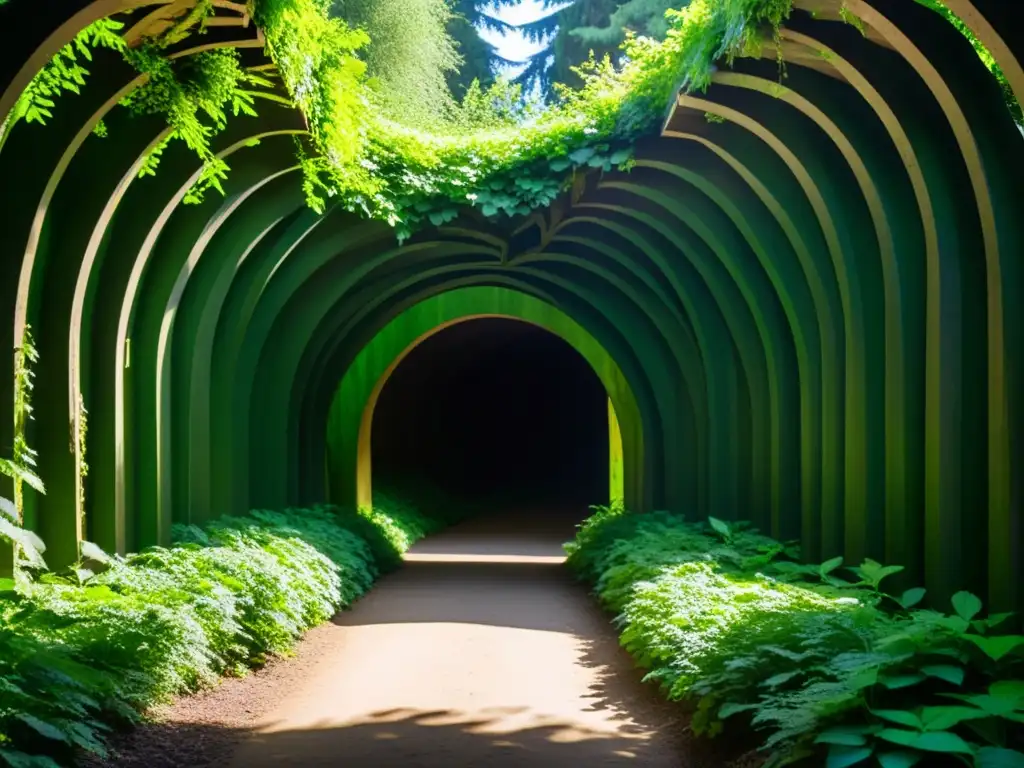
column 514, row 45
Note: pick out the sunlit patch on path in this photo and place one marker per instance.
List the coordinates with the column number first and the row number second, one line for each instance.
column 480, row 652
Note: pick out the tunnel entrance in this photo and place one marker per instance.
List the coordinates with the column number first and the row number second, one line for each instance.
column 495, row 411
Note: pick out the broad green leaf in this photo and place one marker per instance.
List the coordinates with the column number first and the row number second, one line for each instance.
column 994, row 620
column 864, row 679
column 912, row 597
column 27, row 539
column 997, row 757
column 897, row 736
column 899, row 716
column 875, row 575
column 560, row 164
column 42, row 727
column 830, row 565
column 581, row 156
column 25, row 475
column 729, row 709
column 782, row 677
column 621, row 156
column 720, row 526
column 944, row 718
column 996, row 647
column 841, row 737
column 842, row 757
column 966, row 605
column 992, row 705
column 942, row 741
column 1008, row 689
column 92, row 551
column 8, row 509
column 21, row 760
column 899, row 759
column 85, row 737
column 947, row 672
column 893, row 682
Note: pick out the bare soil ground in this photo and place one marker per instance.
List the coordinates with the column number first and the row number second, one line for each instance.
column 481, row 652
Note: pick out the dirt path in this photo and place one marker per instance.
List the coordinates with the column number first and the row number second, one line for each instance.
column 480, row 653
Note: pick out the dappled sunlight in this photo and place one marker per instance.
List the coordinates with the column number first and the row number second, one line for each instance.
column 500, row 668
column 485, row 736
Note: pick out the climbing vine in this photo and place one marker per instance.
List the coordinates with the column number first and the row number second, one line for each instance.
column 487, row 157
column 984, row 54
column 409, row 177
column 184, row 92
column 20, row 467
column 81, row 435
column 65, row 73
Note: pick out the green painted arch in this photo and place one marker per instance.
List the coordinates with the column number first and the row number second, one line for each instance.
column 863, row 250
column 326, row 360
column 308, row 312
column 349, row 424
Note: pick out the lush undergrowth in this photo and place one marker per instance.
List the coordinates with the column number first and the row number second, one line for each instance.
column 86, row 653
column 833, row 670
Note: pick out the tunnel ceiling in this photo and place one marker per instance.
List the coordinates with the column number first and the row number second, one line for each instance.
column 812, row 287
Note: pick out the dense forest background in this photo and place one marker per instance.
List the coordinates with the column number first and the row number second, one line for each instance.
column 426, row 54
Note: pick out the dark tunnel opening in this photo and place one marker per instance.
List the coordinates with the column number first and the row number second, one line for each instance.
column 495, row 411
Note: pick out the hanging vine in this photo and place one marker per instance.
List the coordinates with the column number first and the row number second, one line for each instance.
column 28, row 548
column 409, row 177
column 65, row 73
column 194, row 95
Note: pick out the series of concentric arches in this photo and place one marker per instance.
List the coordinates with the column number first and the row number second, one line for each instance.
column 804, row 300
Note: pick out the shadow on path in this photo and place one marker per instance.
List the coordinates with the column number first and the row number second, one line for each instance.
column 481, row 652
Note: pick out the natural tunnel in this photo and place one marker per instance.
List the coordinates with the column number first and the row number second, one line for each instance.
column 803, row 297
column 495, row 410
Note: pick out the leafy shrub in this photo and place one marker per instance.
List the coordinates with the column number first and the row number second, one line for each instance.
column 832, row 669
column 82, row 653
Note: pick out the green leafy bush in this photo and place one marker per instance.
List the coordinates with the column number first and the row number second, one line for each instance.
column 83, row 652
column 831, row 668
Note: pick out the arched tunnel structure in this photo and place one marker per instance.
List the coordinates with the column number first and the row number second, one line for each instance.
column 804, row 301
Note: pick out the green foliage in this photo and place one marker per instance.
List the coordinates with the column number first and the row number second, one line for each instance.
column 834, row 671
column 390, row 142
column 410, row 178
column 986, row 56
column 28, row 548
column 86, row 651
column 184, row 92
column 65, row 73
column 409, row 57
column 642, row 17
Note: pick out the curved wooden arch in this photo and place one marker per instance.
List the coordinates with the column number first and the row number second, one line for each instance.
column 811, row 288
column 378, row 360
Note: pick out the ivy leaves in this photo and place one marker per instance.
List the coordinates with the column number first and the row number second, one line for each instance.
column 194, row 95
column 66, row 72
column 927, row 730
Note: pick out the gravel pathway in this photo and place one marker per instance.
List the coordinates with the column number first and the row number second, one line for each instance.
column 480, row 652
